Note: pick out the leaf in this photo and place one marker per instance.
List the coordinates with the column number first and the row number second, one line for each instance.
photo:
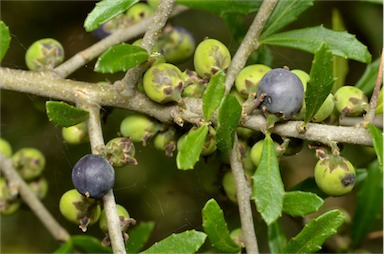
column 228, row 119
column 315, row 233
column 138, row 236
column 309, row 185
column 186, row 242
column 320, row 81
column 285, row 13
column 106, row 10
column 67, row 247
column 369, row 204
column 121, row 58
column 276, row 237
column 89, row 244
column 63, row 114
column 5, row 39
column 299, row 203
column 215, row 227
column 377, row 140
column 223, row 6
column 189, row 147
column 368, row 80
column 268, row 188
column 310, row 39
column 213, row 94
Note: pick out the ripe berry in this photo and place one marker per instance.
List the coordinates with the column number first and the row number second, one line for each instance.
column 44, row 54
column 163, row 83
column 211, row 56
column 93, row 176
column 249, row 77
column 29, row 162
column 283, row 92
column 350, row 101
column 335, row 175
column 75, row 134
column 78, row 209
column 139, row 128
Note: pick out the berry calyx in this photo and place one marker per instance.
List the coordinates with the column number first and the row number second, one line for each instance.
column 120, row 151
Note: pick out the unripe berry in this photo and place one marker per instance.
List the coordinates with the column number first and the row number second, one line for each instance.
column 39, row 187
column 209, row 145
column 139, row 128
column 249, row 77
column 78, row 209
column 325, row 109
column 304, row 78
column 229, row 186
column 350, row 101
column 121, row 212
column 138, row 12
column 335, row 175
column 211, row 56
column 163, row 83
column 75, row 134
column 110, row 26
column 166, row 141
column 5, row 148
column 256, row 151
column 44, row 54
column 9, row 201
column 194, row 86
column 29, row 162
column 120, row 151
column 93, row 176
column 284, row 93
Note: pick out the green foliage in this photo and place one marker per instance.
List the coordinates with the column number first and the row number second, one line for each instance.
column 63, row 114
column 298, row 203
column 5, row 39
column 276, row 237
column 186, row 242
column 104, row 11
column 121, row 57
column 266, row 178
column 215, row 227
column 139, row 236
column 368, row 80
column 320, row 81
column 377, row 139
column 84, row 244
column 213, row 94
column 310, row 39
column 228, row 119
column 315, row 233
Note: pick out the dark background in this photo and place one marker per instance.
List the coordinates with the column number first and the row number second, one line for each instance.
column 154, row 190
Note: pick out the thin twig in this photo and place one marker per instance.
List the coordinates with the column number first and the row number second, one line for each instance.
column 243, row 194
column 97, row 141
column 28, row 196
column 249, row 43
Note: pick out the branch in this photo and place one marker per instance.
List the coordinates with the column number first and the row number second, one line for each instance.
column 109, row 204
column 243, row 194
column 249, row 43
column 56, row 230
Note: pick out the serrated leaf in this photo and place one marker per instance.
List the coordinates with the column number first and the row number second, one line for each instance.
column 299, row 203
column 121, row 57
column 5, row 39
column 186, row 242
column 228, row 119
column 223, row 6
column 315, row 233
column 215, row 227
column 320, row 81
column 189, row 147
column 276, row 237
column 369, row 204
column 285, row 13
column 213, row 94
column 106, row 10
column 310, row 39
column 368, row 80
column 63, row 114
column 268, row 188
column 377, row 140
column 89, row 244
column 139, row 236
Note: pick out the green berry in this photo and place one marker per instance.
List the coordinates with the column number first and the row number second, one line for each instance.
column 139, row 128
column 163, row 83
column 9, row 200
column 229, row 186
column 166, row 141
column 75, row 134
column 120, row 152
column 211, row 56
column 325, row 109
column 78, row 209
column 138, row 12
column 195, row 86
column 44, row 54
column 256, row 151
column 39, row 187
column 249, row 77
column 121, row 212
column 350, row 101
column 29, row 162
column 304, row 78
column 153, row 3
column 5, row 148
column 335, row 175
column 237, row 236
